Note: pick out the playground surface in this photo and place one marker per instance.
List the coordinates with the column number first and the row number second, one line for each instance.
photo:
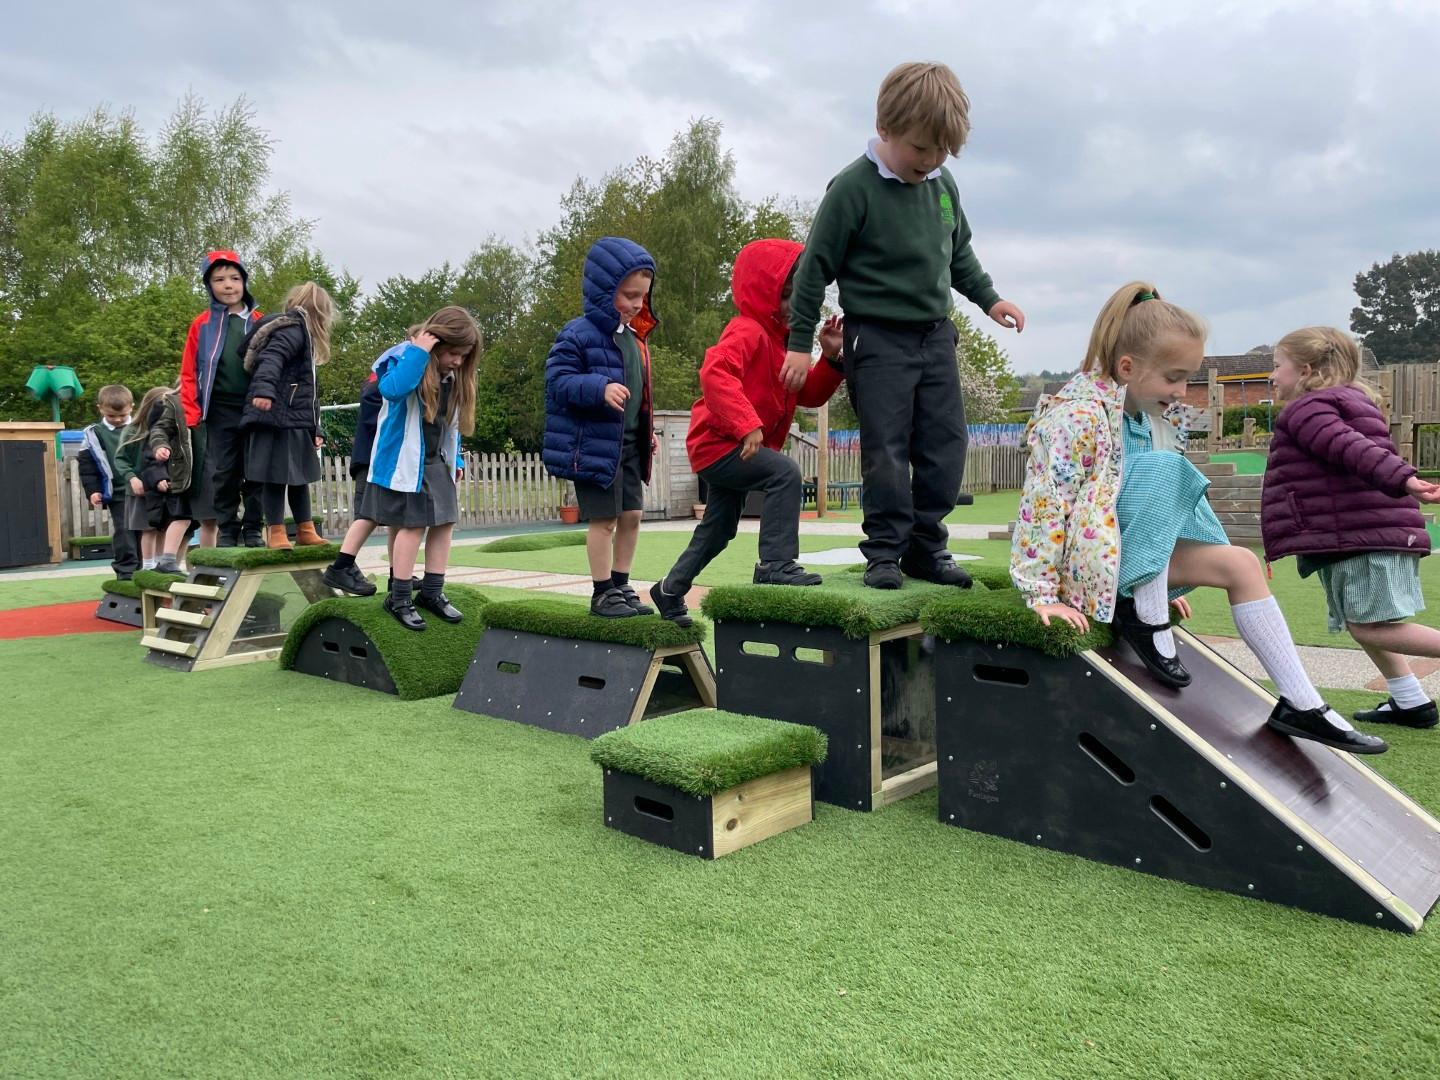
column 250, row 872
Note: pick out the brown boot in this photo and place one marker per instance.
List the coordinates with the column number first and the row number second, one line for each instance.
column 306, row 534
column 277, row 538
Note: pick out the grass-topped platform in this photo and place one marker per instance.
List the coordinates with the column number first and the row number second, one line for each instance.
column 355, row 640
column 257, row 558
column 536, row 541
column 116, row 587
column 155, row 580
column 572, row 619
column 1000, row 616
column 707, row 782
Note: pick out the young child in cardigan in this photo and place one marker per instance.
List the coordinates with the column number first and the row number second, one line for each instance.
column 98, row 472
column 1113, row 518
column 428, row 387
column 1342, row 501
column 159, row 460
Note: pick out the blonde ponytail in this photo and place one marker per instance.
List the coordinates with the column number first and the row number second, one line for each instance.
column 1131, row 323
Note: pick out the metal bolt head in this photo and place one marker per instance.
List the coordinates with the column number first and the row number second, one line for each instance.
column 1223, row 784
column 1137, row 862
column 1250, row 887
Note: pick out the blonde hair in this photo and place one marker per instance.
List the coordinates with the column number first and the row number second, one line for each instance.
column 319, row 311
column 924, row 97
column 1333, row 357
column 1131, row 324
column 456, row 329
column 114, row 397
column 138, row 429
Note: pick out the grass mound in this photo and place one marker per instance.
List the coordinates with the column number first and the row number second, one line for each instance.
column 249, row 558
column 422, row 665
column 1001, row 615
column 86, row 541
column 704, row 751
column 992, row 575
column 121, row 588
column 536, row 542
column 842, row 601
column 569, row 619
column 155, row 581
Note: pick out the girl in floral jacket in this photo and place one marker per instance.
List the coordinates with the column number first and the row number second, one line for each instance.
column 1113, row 519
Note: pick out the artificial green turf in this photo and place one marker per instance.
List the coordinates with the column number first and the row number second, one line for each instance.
column 842, row 601
column 86, row 541
column 540, row 541
column 704, row 751
column 129, row 588
column 572, row 619
column 1002, row 616
column 249, row 558
column 154, row 580
column 422, row 664
column 291, row 877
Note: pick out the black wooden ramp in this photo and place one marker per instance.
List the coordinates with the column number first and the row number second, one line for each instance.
column 1089, row 754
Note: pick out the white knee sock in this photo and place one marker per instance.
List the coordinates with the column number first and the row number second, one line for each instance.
column 1152, row 604
column 1406, row 692
column 1262, row 626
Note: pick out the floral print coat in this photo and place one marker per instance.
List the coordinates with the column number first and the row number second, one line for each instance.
column 1066, row 547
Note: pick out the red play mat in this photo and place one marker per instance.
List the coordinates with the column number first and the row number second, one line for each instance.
column 49, row 620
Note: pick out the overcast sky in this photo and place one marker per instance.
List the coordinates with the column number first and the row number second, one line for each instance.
column 1248, row 157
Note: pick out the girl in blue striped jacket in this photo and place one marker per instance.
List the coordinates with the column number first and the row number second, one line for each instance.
column 428, row 389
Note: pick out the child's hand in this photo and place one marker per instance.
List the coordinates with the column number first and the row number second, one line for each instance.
column 95, row 499
column 1008, row 315
column 1423, row 490
column 1063, row 612
column 162, row 453
column 425, row 340
column 319, row 442
column 750, row 445
column 1181, row 605
column 163, row 485
column 261, row 403
column 137, row 485
column 794, row 371
column 616, row 394
column 832, row 336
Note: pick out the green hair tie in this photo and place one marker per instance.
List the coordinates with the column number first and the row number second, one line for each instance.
column 1142, row 297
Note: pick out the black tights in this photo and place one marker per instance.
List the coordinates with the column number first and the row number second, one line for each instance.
column 272, row 499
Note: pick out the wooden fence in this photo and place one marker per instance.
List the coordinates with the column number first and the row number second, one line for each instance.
column 987, row 468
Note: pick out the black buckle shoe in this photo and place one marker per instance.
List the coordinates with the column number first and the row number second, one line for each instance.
column 1314, row 725
column 1140, row 636
column 253, row 538
column 884, row 574
column 671, row 608
column 349, row 580
column 633, row 599
column 405, row 613
column 228, row 538
column 787, row 572
column 439, row 605
column 942, row 569
column 1421, row 716
column 611, row 604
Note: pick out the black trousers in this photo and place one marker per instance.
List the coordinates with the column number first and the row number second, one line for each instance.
column 225, row 449
column 729, row 480
column 905, row 386
column 123, row 542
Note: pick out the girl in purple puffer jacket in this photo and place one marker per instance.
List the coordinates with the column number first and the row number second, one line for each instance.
column 1340, row 499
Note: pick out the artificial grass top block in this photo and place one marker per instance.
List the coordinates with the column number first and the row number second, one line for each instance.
column 249, row 558
column 703, row 751
column 155, row 581
column 121, row 588
column 991, row 575
column 1002, row 616
column 422, row 664
column 569, row 619
column 842, row 601
column 536, row 541
column 88, row 541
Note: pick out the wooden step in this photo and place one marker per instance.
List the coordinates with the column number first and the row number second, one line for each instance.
column 199, row 592
column 1217, row 468
column 175, row 648
column 198, row 619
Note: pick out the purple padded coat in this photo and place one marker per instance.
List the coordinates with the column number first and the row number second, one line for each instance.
column 1334, row 482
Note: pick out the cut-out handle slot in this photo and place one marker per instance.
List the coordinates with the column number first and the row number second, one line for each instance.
column 1006, row 676
column 330, row 646
column 1106, row 758
column 652, row 808
column 359, row 652
column 807, row 655
column 592, row 682
column 508, row 667
column 760, row 648
column 1188, row 831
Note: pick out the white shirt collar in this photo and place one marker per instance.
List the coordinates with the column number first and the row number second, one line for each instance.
column 885, row 169
column 113, row 427
column 621, row 329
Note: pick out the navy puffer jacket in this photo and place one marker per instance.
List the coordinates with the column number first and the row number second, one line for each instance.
column 1334, row 483
column 583, row 435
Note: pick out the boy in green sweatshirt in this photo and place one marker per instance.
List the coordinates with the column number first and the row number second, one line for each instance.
column 891, row 232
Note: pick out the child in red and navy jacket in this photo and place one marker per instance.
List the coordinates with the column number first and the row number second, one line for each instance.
column 739, row 426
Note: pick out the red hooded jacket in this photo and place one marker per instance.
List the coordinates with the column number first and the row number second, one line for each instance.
column 740, row 378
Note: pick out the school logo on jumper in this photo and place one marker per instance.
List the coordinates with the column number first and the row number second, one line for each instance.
column 985, row 782
column 947, row 209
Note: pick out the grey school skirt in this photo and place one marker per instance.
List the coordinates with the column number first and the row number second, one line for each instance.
column 436, row 503
column 281, row 456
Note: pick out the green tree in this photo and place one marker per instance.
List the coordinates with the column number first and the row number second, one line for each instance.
column 1399, row 313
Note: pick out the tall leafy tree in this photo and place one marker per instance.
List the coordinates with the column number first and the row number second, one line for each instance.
column 1399, row 313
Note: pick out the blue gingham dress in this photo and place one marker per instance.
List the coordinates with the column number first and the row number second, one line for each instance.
column 1162, row 501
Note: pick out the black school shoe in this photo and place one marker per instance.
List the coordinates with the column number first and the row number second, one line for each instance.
column 611, row 604
column 884, row 574
column 252, row 538
column 942, row 569
column 405, row 613
column 1421, row 716
column 439, row 605
column 1140, row 636
column 633, row 599
column 788, row 572
column 228, row 538
column 671, row 608
column 349, row 580
column 1314, row 725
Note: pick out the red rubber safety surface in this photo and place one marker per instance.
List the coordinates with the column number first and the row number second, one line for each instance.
column 51, row 620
